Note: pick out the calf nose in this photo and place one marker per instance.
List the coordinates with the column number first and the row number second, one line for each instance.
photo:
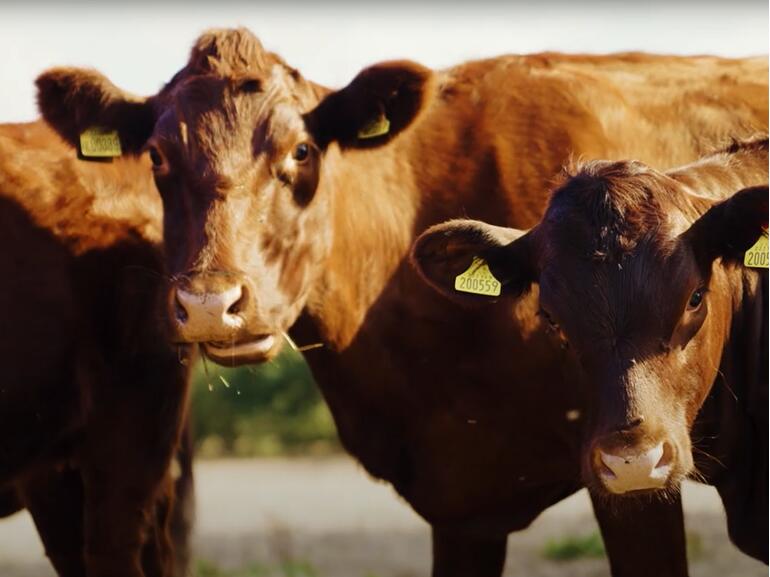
column 206, row 316
column 630, row 470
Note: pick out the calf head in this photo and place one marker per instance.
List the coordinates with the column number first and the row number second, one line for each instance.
column 634, row 277
column 239, row 143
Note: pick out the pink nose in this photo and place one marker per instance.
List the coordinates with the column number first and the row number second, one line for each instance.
column 633, row 470
column 205, row 316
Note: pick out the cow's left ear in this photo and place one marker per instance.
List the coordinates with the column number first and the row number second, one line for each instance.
column 730, row 227
column 378, row 104
column 446, row 251
column 73, row 100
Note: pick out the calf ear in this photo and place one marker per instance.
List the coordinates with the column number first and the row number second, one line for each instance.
column 731, row 227
column 445, row 251
column 72, row 100
column 378, row 104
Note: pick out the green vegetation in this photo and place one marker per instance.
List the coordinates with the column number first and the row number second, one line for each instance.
column 266, row 410
column 591, row 546
column 574, row 547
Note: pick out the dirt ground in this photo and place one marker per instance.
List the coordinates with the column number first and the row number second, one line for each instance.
column 327, row 518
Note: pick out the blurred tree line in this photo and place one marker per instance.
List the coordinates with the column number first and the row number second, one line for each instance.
column 265, row 410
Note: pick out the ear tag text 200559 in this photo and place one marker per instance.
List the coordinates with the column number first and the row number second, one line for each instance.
column 478, row 279
column 757, row 255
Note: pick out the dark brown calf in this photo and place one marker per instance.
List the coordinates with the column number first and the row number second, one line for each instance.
column 289, row 205
column 93, row 397
column 641, row 276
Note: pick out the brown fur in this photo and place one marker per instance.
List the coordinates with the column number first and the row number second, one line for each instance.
column 93, row 397
column 618, row 254
column 320, row 246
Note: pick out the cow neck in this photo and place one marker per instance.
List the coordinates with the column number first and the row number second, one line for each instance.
column 373, row 211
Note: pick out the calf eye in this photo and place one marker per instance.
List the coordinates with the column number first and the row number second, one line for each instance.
column 155, row 157
column 301, row 152
column 696, row 298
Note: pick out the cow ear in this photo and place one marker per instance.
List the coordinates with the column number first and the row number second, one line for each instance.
column 446, row 251
column 730, row 227
column 378, row 104
column 72, row 100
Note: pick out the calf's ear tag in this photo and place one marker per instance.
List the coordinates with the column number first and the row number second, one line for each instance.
column 757, row 255
column 478, row 279
column 375, row 127
column 97, row 142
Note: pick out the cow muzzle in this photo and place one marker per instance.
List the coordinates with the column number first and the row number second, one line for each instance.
column 215, row 309
column 633, row 469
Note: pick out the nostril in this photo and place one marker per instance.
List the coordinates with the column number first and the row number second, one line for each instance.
column 635, row 422
column 240, row 302
column 629, row 424
column 667, row 457
column 179, row 311
column 606, row 471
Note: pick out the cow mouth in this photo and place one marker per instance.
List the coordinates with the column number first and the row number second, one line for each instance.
column 255, row 350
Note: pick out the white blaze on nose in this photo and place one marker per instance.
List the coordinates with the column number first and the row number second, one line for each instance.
column 634, row 471
column 208, row 312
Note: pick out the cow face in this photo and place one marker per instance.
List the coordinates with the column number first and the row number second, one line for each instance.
column 240, row 146
column 625, row 267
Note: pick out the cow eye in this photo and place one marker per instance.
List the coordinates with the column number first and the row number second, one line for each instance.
column 301, row 152
column 696, row 298
column 155, row 157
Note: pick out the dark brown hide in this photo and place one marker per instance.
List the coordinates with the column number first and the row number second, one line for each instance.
column 640, row 276
column 93, row 396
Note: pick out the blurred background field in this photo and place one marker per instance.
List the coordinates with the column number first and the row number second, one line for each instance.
column 324, row 517
column 260, row 411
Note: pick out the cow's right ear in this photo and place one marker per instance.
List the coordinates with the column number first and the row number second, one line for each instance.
column 73, row 100
column 730, row 227
column 379, row 103
column 447, row 250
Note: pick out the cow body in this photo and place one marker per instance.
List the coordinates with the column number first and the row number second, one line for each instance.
column 292, row 207
column 640, row 275
column 93, row 398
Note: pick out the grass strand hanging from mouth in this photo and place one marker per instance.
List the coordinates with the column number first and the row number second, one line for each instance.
column 303, row 348
column 206, row 372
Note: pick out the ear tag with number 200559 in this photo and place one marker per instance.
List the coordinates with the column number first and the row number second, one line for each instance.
column 478, row 279
column 757, row 255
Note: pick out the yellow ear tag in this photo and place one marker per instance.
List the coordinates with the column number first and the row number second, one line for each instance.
column 97, row 142
column 375, row 127
column 757, row 255
column 478, row 279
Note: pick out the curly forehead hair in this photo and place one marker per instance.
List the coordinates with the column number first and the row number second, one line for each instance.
column 620, row 201
column 231, row 52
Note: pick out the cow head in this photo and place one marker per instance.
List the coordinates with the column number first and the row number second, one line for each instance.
column 240, row 146
column 634, row 277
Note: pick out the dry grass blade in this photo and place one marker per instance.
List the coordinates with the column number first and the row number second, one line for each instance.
column 303, row 348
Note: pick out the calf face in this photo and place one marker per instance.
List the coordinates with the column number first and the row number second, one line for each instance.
column 624, row 260
column 238, row 142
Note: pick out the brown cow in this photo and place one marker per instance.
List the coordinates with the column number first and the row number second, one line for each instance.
column 93, row 397
column 640, row 275
column 289, row 205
